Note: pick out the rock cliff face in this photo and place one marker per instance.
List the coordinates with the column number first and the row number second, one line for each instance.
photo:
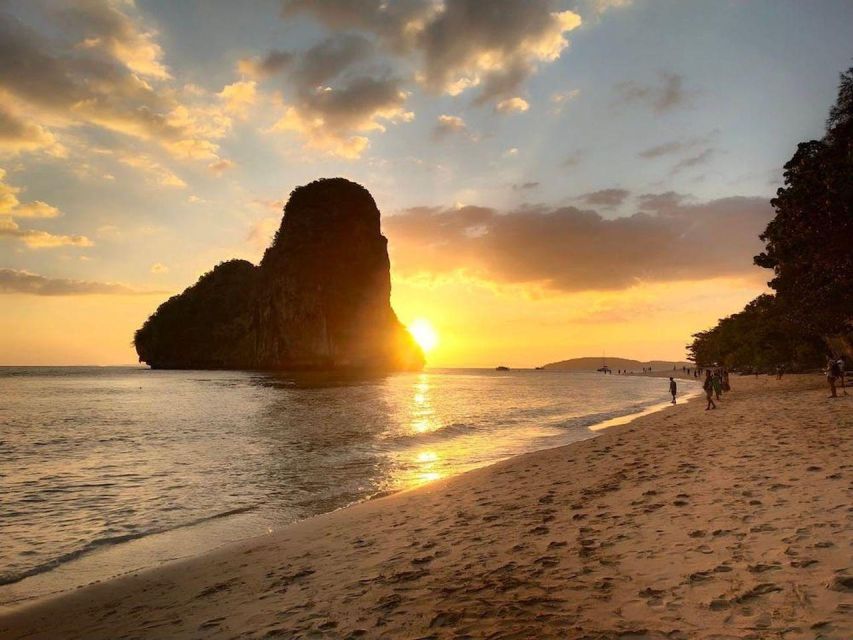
column 320, row 298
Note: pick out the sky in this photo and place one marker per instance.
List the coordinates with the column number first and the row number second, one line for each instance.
column 556, row 179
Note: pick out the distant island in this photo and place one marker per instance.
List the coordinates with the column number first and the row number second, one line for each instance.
column 593, row 364
column 319, row 300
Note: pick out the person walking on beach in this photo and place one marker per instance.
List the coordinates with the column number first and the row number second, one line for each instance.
column 717, row 384
column 673, row 388
column 725, row 380
column 708, row 387
column 832, row 374
column 842, row 374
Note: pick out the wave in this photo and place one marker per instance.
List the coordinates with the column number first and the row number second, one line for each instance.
column 98, row 543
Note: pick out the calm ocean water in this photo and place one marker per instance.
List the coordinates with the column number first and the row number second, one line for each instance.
column 105, row 470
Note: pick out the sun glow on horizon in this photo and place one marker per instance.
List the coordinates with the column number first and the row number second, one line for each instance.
column 424, row 334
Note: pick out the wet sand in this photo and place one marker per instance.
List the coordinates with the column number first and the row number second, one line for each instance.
column 734, row 523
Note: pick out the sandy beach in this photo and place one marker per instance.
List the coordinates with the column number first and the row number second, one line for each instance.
column 734, row 523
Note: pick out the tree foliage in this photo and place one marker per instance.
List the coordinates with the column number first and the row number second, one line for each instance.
column 809, row 247
column 809, row 243
column 760, row 337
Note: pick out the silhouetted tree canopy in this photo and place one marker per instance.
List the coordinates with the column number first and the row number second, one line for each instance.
column 810, row 240
column 760, row 337
column 809, row 247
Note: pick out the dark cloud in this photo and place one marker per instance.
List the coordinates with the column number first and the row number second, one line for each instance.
column 456, row 44
column 525, row 186
column 665, row 149
column 332, row 94
column 14, row 281
column 274, row 62
column 91, row 64
column 664, row 96
column 572, row 250
column 606, row 197
column 329, row 58
column 17, row 135
column 394, row 22
column 695, row 160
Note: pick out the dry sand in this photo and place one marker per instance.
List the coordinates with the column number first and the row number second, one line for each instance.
column 733, row 523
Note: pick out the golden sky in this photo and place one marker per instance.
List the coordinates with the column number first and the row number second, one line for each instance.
column 556, row 178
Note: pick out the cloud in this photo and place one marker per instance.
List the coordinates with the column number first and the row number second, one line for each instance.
column 156, row 172
column 512, row 105
column 696, row 146
column 573, row 250
column 457, row 44
column 14, row 281
column 274, row 62
column 447, row 125
column 17, row 135
column 221, row 166
column 329, row 118
column 12, row 207
column 35, row 209
column 606, row 197
column 665, row 96
column 101, row 25
column 660, row 202
column 35, row 239
column 601, row 6
column 239, row 97
column 495, row 46
column 92, row 63
column 356, row 80
column 525, row 186
column 665, row 149
column 695, row 160
column 159, row 268
column 559, row 99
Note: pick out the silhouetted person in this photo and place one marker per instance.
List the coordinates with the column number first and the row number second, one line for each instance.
column 726, row 385
column 779, row 371
column 673, row 388
column 708, row 387
column 717, row 383
column 842, row 373
column 833, row 372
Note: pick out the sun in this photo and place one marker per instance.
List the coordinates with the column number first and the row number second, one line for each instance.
column 424, row 334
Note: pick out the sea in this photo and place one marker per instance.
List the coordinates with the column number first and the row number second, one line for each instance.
column 111, row 470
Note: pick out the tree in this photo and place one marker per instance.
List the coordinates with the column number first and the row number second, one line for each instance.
column 809, row 243
column 760, row 337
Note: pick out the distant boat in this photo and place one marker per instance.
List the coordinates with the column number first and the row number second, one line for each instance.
column 540, row 368
column 501, row 368
column 604, row 368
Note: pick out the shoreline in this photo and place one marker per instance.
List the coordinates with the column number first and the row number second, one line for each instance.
column 560, row 542
column 172, row 542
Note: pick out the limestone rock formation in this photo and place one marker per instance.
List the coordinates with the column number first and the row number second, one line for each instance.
column 320, row 299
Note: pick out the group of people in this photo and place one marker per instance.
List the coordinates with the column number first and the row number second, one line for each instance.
column 835, row 374
column 716, row 382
